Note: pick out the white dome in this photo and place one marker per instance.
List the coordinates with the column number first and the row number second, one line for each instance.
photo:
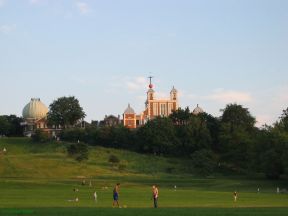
column 198, row 110
column 35, row 109
column 129, row 110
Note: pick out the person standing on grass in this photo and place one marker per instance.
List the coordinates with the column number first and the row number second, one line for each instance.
column 235, row 196
column 116, row 195
column 95, row 196
column 155, row 195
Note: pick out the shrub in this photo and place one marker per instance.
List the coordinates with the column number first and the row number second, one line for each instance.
column 40, row 136
column 79, row 151
column 114, row 159
column 122, row 165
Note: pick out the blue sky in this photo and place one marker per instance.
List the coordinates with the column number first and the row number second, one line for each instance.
column 213, row 52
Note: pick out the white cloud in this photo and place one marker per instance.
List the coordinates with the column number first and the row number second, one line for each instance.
column 83, row 7
column 6, row 29
column 230, row 96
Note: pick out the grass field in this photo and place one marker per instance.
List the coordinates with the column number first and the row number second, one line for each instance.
column 147, row 212
column 38, row 179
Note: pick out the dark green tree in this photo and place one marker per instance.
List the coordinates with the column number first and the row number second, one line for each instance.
column 236, row 116
column 158, row 136
column 10, row 125
column 236, row 135
column 180, row 116
column 213, row 125
column 16, row 129
column 40, row 136
column 5, row 125
column 283, row 123
column 65, row 111
column 193, row 136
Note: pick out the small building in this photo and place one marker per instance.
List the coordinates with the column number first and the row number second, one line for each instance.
column 110, row 120
column 129, row 118
column 35, row 117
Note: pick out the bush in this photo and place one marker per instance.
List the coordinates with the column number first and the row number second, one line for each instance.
column 79, row 151
column 114, row 159
column 122, row 165
column 40, row 136
column 73, row 134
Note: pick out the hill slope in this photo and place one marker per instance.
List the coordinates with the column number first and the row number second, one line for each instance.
column 50, row 160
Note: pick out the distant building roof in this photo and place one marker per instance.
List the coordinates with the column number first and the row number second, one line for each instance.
column 129, row 110
column 198, row 110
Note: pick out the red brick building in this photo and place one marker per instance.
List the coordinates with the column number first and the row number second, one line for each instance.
column 153, row 107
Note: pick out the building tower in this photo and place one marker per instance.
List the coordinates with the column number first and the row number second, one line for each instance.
column 129, row 117
column 174, row 98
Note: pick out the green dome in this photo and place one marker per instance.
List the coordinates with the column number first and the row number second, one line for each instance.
column 35, row 109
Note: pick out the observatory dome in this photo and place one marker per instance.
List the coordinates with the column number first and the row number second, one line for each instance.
column 35, row 109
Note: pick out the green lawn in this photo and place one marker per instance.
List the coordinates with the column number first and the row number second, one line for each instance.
column 147, row 212
column 38, row 179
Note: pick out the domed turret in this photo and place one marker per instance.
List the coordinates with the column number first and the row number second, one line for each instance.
column 198, row 110
column 129, row 110
column 35, row 109
column 173, row 94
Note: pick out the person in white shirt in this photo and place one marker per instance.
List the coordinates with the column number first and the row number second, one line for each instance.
column 95, row 196
column 155, row 194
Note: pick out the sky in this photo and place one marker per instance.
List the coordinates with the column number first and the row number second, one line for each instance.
column 101, row 52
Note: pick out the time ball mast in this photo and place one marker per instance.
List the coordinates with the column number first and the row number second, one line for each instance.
column 150, row 85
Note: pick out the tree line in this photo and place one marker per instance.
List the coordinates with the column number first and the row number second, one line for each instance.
column 229, row 143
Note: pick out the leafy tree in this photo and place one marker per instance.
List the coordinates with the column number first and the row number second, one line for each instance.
column 16, row 128
column 4, row 126
column 65, row 111
column 236, row 134
column 283, row 123
column 158, row 136
column 236, row 116
column 180, row 116
column 73, row 134
column 272, row 164
column 193, row 136
column 213, row 125
column 10, row 125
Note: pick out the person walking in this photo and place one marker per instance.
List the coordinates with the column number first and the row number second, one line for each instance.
column 155, row 195
column 116, row 195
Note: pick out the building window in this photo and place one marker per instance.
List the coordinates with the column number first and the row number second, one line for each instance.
column 163, row 109
column 155, row 109
column 169, row 108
